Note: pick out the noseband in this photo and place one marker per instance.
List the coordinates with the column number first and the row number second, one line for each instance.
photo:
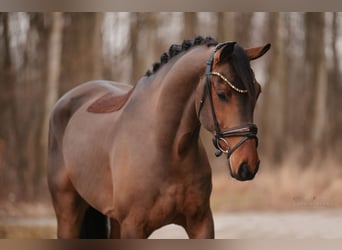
column 247, row 131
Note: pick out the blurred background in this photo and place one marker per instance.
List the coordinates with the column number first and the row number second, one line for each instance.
column 299, row 113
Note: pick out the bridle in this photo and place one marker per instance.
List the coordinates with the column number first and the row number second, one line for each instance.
column 247, row 131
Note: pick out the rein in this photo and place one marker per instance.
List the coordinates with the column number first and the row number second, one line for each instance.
column 247, row 131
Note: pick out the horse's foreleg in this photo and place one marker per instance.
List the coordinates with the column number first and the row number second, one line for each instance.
column 132, row 229
column 200, row 227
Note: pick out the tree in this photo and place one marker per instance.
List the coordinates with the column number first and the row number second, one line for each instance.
column 243, row 28
column 226, row 26
column 316, row 80
column 144, row 43
column 82, row 49
column 30, row 85
column 334, row 90
column 275, row 92
column 190, row 25
column 52, row 82
column 136, row 60
column 7, row 109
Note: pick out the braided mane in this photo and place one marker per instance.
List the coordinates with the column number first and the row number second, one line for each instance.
column 175, row 49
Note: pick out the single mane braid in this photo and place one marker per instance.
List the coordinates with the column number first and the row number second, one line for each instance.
column 175, row 49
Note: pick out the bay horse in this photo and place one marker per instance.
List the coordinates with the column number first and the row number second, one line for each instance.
column 124, row 161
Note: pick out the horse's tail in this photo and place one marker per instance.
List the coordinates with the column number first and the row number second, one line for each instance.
column 95, row 225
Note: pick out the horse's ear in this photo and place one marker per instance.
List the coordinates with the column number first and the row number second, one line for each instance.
column 225, row 52
column 254, row 53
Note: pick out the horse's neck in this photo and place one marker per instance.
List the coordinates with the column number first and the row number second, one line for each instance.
column 177, row 122
column 187, row 132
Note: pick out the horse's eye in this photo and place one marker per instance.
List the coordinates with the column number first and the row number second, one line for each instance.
column 222, row 96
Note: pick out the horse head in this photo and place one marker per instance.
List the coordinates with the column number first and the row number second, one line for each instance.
column 226, row 98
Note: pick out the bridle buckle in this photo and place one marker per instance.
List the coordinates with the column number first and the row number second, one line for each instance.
column 216, row 142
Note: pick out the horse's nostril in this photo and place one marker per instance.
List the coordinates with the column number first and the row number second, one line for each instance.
column 244, row 172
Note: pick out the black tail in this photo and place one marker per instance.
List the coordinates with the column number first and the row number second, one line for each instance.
column 95, row 225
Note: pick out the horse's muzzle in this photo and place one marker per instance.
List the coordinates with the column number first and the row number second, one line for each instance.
column 245, row 173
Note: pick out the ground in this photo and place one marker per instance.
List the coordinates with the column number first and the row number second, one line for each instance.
column 236, row 225
column 268, row 225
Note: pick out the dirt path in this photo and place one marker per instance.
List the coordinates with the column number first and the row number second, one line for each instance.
column 322, row 224
column 317, row 224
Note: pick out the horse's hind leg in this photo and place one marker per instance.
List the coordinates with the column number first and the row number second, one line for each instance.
column 69, row 206
column 115, row 232
column 70, row 209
